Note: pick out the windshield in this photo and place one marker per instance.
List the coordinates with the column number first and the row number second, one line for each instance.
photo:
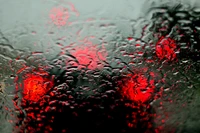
column 99, row 66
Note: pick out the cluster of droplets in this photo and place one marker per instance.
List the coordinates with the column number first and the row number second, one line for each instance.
column 89, row 100
column 78, row 95
column 176, row 34
column 97, row 112
column 180, row 23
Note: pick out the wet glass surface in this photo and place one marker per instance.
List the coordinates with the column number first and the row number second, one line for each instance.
column 99, row 66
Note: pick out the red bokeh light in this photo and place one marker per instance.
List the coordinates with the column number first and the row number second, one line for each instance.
column 165, row 49
column 137, row 88
column 89, row 56
column 35, row 86
column 59, row 16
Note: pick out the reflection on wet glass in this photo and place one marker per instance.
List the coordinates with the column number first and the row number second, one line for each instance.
column 131, row 67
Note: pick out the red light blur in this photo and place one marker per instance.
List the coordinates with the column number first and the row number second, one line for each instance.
column 89, row 56
column 165, row 49
column 35, row 86
column 137, row 88
column 59, row 16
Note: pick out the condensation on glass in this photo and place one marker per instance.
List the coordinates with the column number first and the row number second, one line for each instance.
column 99, row 66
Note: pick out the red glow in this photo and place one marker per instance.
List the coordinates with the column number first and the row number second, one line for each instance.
column 35, row 86
column 59, row 16
column 89, row 56
column 165, row 49
column 138, row 88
